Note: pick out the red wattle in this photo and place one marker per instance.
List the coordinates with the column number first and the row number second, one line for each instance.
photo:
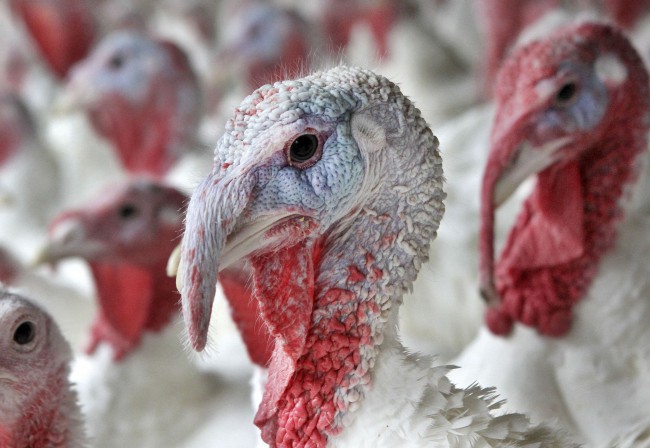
column 245, row 314
column 284, row 288
column 133, row 300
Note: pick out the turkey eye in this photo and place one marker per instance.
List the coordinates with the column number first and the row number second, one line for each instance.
column 25, row 333
column 566, row 94
column 128, row 211
column 255, row 31
column 116, row 62
column 304, row 151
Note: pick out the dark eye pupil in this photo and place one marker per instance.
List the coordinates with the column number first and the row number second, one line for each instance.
column 116, row 62
column 566, row 93
column 24, row 334
column 303, row 148
column 127, row 211
column 255, row 31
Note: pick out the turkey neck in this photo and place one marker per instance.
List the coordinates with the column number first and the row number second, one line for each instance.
column 608, row 171
column 362, row 267
column 50, row 419
column 134, row 299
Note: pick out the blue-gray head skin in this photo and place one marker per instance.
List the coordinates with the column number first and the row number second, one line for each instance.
column 140, row 93
column 331, row 187
column 298, row 160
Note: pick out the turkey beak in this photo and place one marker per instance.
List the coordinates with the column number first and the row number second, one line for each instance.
column 525, row 161
column 510, row 163
column 218, row 232
column 66, row 238
column 77, row 94
column 6, row 198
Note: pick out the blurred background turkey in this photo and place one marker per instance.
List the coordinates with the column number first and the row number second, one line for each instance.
column 95, row 94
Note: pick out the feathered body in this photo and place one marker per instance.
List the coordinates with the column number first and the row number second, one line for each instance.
column 155, row 398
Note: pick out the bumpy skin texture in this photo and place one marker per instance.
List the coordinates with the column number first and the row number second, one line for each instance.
column 569, row 222
column 142, row 95
column 334, row 242
column 38, row 409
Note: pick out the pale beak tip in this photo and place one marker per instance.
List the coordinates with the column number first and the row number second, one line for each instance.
column 40, row 258
column 64, row 105
column 6, row 199
column 173, row 263
column 502, row 192
column 70, row 101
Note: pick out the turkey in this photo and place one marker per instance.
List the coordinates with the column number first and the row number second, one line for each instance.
column 70, row 308
column 140, row 94
column 38, row 407
column 135, row 354
column 308, row 184
column 568, row 295
column 22, row 70
column 430, row 320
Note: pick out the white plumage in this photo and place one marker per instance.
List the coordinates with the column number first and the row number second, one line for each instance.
column 552, row 379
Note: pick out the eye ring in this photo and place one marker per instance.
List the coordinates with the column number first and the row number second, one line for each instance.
column 24, row 333
column 304, row 150
column 567, row 94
